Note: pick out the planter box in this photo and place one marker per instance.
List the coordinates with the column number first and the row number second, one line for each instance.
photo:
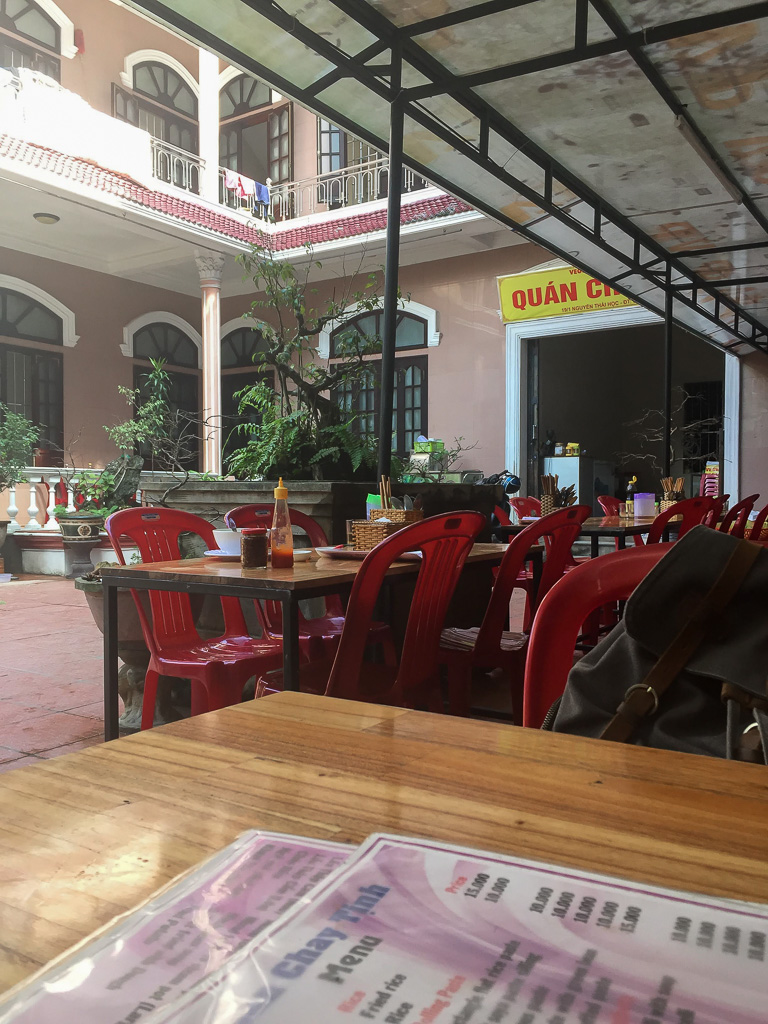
column 330, row 502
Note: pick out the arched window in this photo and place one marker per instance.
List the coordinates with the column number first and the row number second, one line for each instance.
column 170, row 342
column 240, row 367
column 31, row 368
column 23, row 22
column 409, row 411
column 255, row 136
column 162, row 103
column 243, row 95
column 411, row 331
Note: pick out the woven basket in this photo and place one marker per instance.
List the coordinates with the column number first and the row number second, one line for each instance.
column 366, row 535
column 403, row 516
column 547, row 504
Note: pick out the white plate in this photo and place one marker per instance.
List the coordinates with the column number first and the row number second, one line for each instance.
column 302, row 554
column 407, row 556
column 224, row 556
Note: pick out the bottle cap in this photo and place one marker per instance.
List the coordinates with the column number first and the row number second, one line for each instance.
column 251, row 530
column 280, row 491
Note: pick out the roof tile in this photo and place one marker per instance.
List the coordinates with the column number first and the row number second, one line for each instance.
column 285, row 237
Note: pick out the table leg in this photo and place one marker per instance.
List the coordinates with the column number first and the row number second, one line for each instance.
column 111, row 718
column 622, row 541
column 594, row 549
column 537, row 567
column 290, row 643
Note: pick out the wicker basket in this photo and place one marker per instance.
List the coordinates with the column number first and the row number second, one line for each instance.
column 665, row 504
column 402, row 516
column 366, row 535
column 547, row 504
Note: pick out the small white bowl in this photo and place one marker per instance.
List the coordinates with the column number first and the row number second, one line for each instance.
column 228, row 541
column 302, row 554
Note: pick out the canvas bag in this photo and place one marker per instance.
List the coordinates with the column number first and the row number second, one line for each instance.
column 687, row 667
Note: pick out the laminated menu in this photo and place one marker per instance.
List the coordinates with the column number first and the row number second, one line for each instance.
column 410, row 931
column 153, row 954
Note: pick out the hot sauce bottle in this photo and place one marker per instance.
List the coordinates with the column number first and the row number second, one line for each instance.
column 281, row 538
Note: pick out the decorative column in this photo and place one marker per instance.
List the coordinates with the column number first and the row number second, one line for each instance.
column 210, row 267
column 208, row 123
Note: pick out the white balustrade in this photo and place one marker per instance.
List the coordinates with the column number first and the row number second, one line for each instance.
column 51, row 524
column 12, row 511
column 33, row 510
column 71, row 496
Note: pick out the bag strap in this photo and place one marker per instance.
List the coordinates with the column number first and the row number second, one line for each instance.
column 642, row 698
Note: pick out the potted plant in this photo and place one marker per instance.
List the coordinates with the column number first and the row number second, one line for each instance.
column 18, row 437
column 96, row 495
column 305, row 431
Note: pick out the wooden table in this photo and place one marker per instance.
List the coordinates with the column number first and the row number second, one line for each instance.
column 305, row 580
column 596, row 527
column 88, row 835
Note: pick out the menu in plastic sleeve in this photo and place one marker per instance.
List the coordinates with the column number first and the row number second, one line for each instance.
column 152, row 955
column 414, row 932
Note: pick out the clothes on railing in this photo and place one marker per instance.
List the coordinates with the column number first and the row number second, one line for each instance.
column 246, row 188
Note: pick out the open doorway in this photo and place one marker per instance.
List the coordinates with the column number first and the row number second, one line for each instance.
column 604, row 390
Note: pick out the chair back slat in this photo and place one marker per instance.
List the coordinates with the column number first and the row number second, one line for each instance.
column 444, row 542
column 570, row 602
column 693, row 511
column 735, row 520
column 155, row 532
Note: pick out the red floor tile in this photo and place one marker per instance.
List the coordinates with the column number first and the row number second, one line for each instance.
column 8, row 766
column 47, row 731
column 70, row 748
column 48, row 690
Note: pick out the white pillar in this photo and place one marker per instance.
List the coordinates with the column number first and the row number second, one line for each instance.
column 210, row 267
column 33, row 509
column 208, row 122
column 13, row 511
column 51, row 524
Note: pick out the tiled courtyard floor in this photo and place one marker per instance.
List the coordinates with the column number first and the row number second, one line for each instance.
column 50, row 672
column 51, row 682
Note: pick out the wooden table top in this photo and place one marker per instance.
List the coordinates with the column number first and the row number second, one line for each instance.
column 302, row 576
column 608, row 526
column 88, row 835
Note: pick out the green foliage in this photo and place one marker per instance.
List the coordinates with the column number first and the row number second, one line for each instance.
column 18, row 437
column 294, row 445
column 303, row 429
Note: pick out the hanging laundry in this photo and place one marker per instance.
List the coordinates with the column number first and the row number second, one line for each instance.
column 238, row 183
column 262, row 194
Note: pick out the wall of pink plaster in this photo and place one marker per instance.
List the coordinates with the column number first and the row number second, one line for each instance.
column 467, row 369
column 754, row 426
column 94, row 368
column 110, row 33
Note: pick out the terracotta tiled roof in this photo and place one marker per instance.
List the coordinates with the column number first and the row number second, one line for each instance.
column 284, row 237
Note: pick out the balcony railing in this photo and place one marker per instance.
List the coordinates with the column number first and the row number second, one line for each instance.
column 176, row 167
column 337, row 190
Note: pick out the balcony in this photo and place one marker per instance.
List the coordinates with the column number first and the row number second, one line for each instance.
column 176, row 167
column 349, row 186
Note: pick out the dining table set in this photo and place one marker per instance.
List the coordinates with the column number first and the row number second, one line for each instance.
column 346, row 741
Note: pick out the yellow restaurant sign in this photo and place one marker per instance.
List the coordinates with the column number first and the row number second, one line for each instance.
column 555, row 293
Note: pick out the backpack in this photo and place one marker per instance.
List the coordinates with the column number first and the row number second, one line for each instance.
column 687, row 667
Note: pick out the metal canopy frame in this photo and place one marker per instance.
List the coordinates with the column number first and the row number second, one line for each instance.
column 648, row 263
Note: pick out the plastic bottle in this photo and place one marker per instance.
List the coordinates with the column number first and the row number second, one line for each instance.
column 281, row 538
column 630, row 496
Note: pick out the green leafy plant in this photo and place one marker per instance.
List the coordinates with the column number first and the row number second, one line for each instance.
column 434, row 469
column 18, row 438
column 304, row 427
column 167, row 438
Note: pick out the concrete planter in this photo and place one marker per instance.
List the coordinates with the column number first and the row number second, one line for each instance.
column 80, row 525
column 330, row 502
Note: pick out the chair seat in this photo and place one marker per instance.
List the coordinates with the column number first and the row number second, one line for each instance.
column 465, row 639
column 226, row 650
column 375, row 684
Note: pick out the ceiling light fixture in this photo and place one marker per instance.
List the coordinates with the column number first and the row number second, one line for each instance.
column 46, row 218
column 695, row 143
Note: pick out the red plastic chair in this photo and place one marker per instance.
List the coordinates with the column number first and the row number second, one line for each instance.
column 217, row 668
column 610, row 506
column 735, row 520
column 693, row 510
column 502, row 516
column 712, row 518
column 444, row 542
column 756, row 526
column 489, row 645
column 525, row 506
column 570, row 602
column 318, row 638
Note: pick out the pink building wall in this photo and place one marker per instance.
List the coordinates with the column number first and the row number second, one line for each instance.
column 754, row 426
column 95, row 367
column 110, row 33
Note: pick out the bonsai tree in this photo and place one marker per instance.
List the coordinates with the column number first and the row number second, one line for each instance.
column 18, row 438
column 305, row 428
column 168, row 438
